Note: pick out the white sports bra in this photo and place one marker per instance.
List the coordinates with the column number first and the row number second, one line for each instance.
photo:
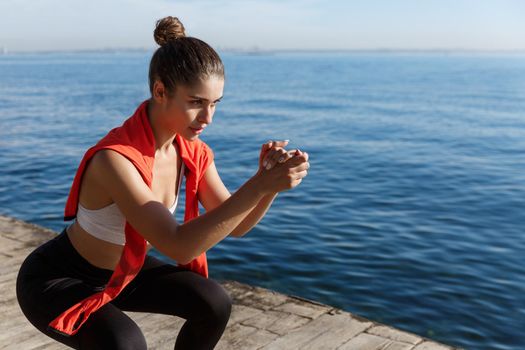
column 108, row 223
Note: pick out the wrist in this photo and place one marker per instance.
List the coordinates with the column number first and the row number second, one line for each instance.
column 258, row 183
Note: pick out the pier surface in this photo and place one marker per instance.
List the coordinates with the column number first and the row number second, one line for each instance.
column 260, row 319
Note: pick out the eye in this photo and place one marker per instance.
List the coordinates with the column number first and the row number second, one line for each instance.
column 196, row 102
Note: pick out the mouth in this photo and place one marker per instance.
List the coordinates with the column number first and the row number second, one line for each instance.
column 196, row 130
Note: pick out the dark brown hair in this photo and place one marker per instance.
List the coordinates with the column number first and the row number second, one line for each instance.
column 181, row 60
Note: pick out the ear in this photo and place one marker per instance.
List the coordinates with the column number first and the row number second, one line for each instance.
column 159, row 92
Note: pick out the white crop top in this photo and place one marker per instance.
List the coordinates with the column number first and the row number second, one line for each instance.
column 108, row 223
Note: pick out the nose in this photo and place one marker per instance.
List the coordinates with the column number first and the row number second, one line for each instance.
column 206, row 115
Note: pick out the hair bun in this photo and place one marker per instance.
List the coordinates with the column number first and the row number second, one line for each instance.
column 168, row 29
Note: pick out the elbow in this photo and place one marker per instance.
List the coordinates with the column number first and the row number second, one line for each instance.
column 186, row 254
column 183, row 258
column 184, row 261
column 237, row 234
column 178, row 249
column 178, row 257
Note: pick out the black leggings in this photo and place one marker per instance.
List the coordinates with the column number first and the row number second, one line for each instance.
column 55, row 276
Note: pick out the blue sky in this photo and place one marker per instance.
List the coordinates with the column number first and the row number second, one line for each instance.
column 271, row 24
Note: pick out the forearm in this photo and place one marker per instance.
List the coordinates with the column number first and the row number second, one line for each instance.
column 254, row 216
column 200, row 234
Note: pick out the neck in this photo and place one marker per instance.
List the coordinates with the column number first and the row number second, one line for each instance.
column 163, row 140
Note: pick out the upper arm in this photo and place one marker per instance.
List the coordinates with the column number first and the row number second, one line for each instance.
column 212, row 191
column 122, row 181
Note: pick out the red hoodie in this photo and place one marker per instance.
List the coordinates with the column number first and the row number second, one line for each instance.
column 135, row 140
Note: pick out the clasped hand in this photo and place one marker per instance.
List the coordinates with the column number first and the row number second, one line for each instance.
column 281, row 169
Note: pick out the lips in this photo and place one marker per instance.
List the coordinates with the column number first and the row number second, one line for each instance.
column 197, row 130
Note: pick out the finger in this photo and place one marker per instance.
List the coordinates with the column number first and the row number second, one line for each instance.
column 301, row 174
column 286, row 156
column 296, row 183
column 270, row 154
column 302, row 157
column 267, row 145
column 282, row 143
column 264, row 150
column 266, row 156
column 297, row 160
column 291, row 154
column 300, row 168
column 306, row 156
column 273, row 157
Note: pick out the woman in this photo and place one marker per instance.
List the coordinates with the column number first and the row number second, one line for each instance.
column 75, row 287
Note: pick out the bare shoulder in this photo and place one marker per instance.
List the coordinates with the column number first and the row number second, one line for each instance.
column 106, row 159
column 107, row 165
column 99, row 173
column 116, row 176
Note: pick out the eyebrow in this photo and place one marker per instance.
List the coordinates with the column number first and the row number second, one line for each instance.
column 205, row 99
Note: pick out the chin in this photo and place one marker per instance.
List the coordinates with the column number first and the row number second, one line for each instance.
column 190, row 137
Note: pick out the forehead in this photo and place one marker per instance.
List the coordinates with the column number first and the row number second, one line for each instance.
column 210, row 89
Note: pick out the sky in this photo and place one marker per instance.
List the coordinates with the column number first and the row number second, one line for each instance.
column 46, row 25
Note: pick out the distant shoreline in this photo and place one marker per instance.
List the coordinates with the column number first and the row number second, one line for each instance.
column 256, row 51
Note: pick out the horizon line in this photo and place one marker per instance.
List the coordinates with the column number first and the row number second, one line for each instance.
column 257, row 50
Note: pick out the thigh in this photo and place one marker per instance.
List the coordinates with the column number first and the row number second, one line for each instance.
column 107, row 328
column 110, row 328
column 44, row 291
column 164, row 288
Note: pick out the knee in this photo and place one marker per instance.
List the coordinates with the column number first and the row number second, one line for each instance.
column 119, row 336
column 115, row 341
column 133, row 341
column 219, row 303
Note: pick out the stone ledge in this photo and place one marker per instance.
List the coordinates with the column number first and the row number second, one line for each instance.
column 261, row 318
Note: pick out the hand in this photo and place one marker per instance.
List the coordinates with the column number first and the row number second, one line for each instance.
column 286, row 175
column 269, row 151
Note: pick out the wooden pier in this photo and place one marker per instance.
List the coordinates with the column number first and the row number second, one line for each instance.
column 260, row 319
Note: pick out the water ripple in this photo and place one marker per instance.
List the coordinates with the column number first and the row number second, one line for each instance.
column 412, row 213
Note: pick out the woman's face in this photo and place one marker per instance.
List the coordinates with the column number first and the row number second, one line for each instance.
column 190, row 110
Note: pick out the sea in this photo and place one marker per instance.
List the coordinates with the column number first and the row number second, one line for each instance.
column 413, row 210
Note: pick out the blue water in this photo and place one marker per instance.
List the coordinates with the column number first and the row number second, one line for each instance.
column 414, row 207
